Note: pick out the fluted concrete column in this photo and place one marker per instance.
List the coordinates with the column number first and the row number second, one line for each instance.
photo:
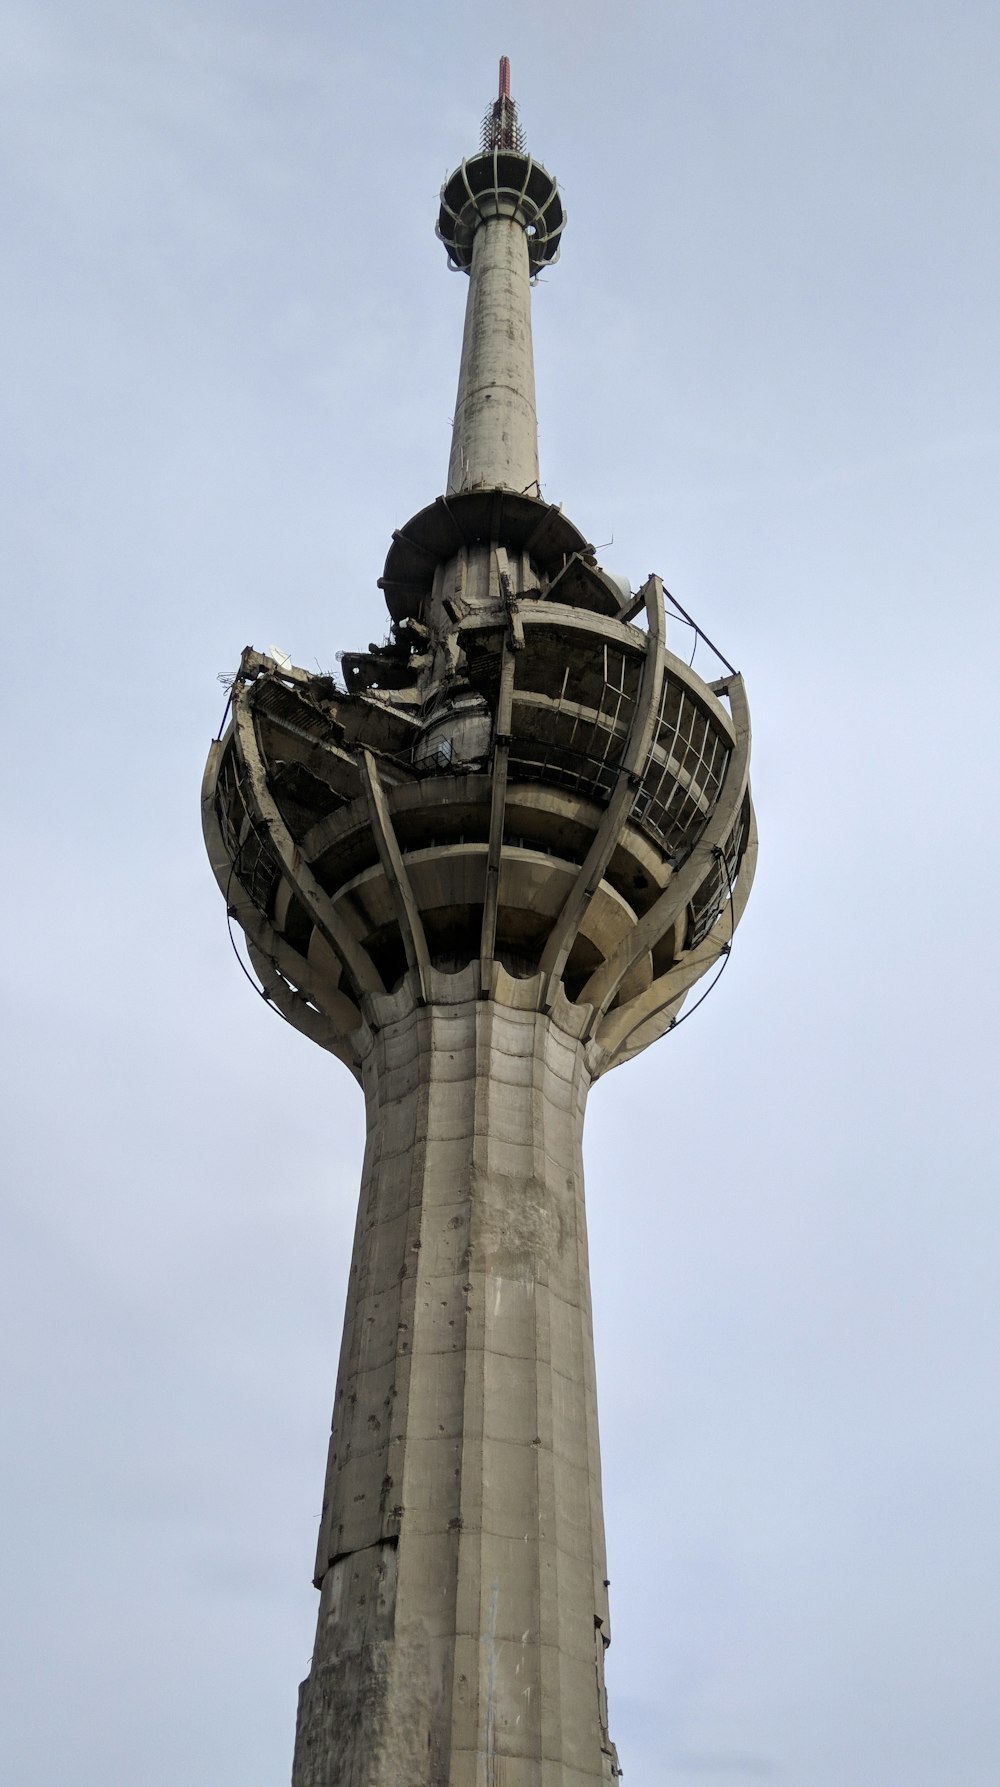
column 463, row 1615
column 495, row 433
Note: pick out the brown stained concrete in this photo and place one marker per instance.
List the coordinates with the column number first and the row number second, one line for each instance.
column 463, row 1612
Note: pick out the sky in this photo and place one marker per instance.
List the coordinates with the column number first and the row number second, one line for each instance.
column 767, row 369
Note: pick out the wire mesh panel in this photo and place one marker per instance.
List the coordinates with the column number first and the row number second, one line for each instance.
column 572, row 721
column 684, row 771
column 257, row 870
column 229, row 807
column 716, row 890
column 253, row 865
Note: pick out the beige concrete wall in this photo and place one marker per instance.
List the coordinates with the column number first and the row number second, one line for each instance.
column 495, row 434
column 463, row 1613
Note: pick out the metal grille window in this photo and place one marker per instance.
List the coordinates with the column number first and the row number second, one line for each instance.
column 684, row 771
column 573, row 729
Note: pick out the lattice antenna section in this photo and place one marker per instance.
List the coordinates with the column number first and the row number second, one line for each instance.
column 501, row 126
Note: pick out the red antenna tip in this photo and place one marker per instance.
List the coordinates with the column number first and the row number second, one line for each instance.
column 501, row 129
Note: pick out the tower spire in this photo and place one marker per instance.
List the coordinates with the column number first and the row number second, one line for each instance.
column 501, row 127
column 501, row 221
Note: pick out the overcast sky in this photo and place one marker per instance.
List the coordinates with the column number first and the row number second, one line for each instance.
column 767, row 369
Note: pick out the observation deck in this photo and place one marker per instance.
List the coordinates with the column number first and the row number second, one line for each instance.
column 572, row 805
column 521, row 782
column 501, row 183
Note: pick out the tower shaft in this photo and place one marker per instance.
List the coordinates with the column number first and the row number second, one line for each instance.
column 463, row 1614
column 495, row 434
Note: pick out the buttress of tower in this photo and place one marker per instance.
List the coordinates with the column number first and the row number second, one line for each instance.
column 522, row 781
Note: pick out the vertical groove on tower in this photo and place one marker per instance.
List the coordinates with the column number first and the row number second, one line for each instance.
column 457, row 1612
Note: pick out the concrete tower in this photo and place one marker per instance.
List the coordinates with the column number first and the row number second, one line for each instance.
column 484, row 872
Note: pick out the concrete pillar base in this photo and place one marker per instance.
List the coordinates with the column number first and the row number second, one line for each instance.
column 463, row 1611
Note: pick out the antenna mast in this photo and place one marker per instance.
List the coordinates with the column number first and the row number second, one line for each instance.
column 501, row 129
